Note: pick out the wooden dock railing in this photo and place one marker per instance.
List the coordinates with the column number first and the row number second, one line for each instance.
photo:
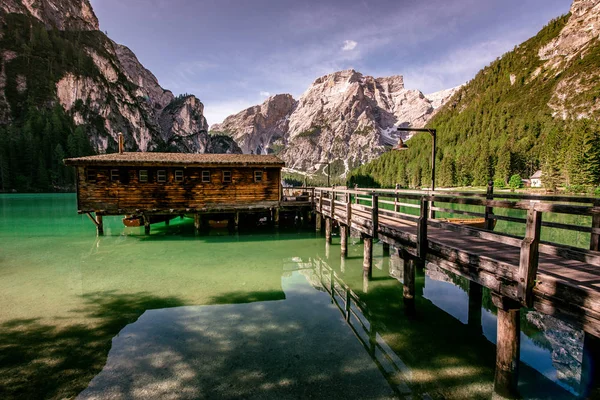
column 521, row 271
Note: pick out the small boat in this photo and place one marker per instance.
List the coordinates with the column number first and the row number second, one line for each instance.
column 132, row 221
column 472, row 222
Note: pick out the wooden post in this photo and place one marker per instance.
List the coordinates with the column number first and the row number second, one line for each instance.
column 489, row 211
column 396, row 205
column 590, row 367
column 508, row 345
column 422, row 229
column 276, row 216
column 344, row 240
column 595, row 237
column 528, row 263
column 475, row 303
column 236, row 220
column 368, row 256
column 386, row 249
column 348, row 211
column 146, row 224
column 327, row 249
column 321, row 202
column 375, row 215
column 197, row 223
column 332, row 206
column 328, row 226
column 318, row 221
column 343, row 264
column 99, row 225
column 408, row 292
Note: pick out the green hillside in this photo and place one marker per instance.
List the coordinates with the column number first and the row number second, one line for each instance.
column 500, row 124
column 37, row 133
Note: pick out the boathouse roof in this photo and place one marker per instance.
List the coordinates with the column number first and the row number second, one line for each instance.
column 178, row 159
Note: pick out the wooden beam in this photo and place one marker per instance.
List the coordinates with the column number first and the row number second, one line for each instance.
column 590, row 367
column 475, row 304
column 508, row 345
column 489, row 211
column 344, row 240
column 197, row 223
column 408, row 291
column 528, row 262
column 328, row 228
column 375, row 214
column 422, row 229
column 99, row 225
column 595, row 238
column 318, row 221
column 368, row 256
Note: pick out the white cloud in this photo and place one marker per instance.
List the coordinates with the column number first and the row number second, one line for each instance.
column 265, row 94
column 349, row 45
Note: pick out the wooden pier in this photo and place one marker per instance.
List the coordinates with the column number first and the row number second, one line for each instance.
column 555, row 279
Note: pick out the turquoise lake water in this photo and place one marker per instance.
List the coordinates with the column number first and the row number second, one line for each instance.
column 249, row 315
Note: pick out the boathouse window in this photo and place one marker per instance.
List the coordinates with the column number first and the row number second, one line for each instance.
column 258, row 176
column 114, row 175
column 143, row 175
column 205, row 176
column 161, row 176
column 178, row 175
column 226, row 176
column 92, row 175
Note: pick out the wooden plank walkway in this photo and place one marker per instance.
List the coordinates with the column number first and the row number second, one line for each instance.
column 520, row 271
column 564, row 287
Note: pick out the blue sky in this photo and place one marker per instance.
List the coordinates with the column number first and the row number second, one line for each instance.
column 234, row 53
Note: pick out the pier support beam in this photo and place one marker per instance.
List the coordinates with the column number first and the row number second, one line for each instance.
column 386, row 249
column 475, row 303
column 328, row 228
column 146, row 225
column 197, row 223
column 590, row 367
column 344, row 240
column 318, row 222
column 408, row 292
column 368, row 256
column 508, row 345
column 99, row 225
column 276, row 216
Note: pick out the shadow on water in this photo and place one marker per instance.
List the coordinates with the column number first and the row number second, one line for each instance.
column 40, row 361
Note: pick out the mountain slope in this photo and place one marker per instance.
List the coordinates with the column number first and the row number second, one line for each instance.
column 344, row 118
column 63, row 82
column 536, row 107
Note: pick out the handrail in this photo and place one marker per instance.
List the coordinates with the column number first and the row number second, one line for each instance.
column 531, row 203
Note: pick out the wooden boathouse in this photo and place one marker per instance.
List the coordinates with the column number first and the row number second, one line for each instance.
column 150, row 185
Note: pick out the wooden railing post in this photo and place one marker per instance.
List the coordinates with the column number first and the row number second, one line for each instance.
column 528, row 263
column 375, row 214
column 595, row 237
column 422, row 229
column 489, row 211
column 349, row 211
column 321, row 202
column 332, row 207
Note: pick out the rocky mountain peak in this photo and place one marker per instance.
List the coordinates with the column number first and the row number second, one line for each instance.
column 345, row 118
column 580, row 31
column 75, row 15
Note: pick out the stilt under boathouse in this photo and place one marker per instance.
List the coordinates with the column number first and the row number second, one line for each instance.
column 150, row 187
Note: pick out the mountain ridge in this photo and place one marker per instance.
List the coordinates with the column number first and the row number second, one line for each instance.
column 344, row 118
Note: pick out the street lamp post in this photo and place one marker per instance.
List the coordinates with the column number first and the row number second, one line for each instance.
column 432, row 132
